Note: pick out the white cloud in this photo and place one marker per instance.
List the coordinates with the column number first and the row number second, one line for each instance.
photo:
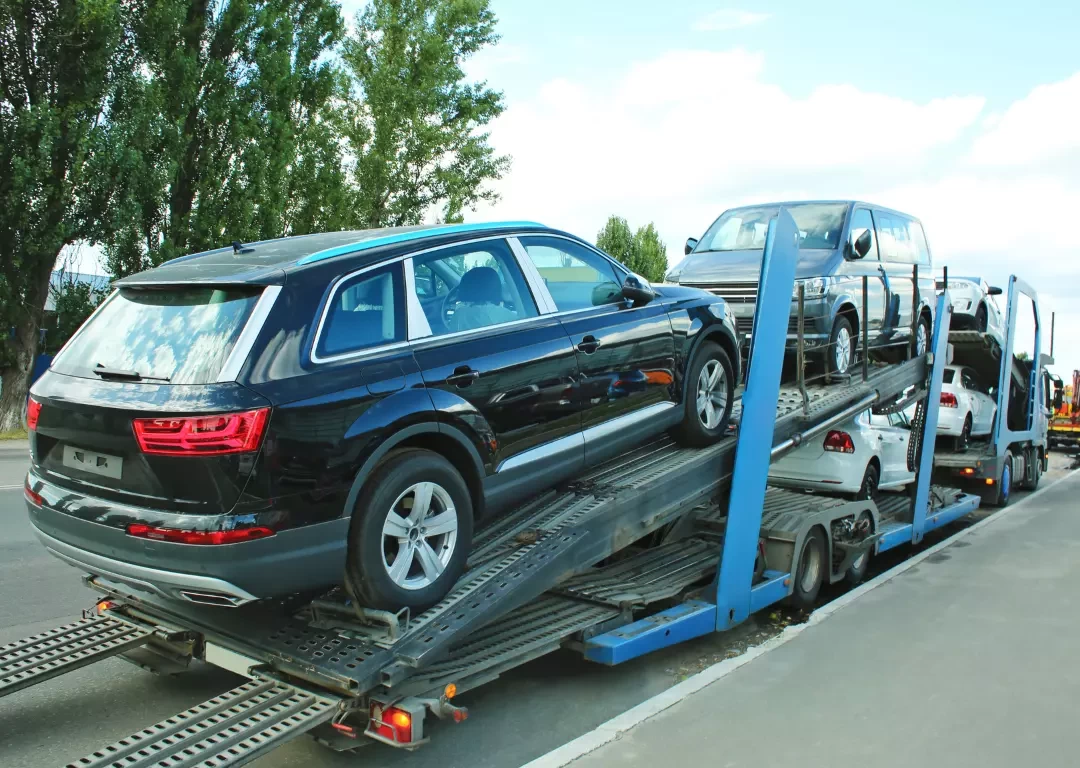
column 1042, row 126
column 727, row 19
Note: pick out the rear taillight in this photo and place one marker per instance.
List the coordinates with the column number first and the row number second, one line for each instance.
column 33, row 411
column 948, row 400
column 392, row 724
column 202, row 435
column 839, row 442
column 176, row 536
column 31, row 496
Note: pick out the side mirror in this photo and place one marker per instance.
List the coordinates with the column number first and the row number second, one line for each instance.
column 636, row 290
column 691, row 244
column 1059, row 399
column 862, row 244
column 993, row 291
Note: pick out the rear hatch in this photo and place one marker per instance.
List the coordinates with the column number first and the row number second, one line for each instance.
column 132, row 410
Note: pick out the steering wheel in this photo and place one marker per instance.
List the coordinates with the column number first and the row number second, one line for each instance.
column 448, row 302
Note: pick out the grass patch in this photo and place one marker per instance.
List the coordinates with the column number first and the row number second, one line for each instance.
column 17, row 434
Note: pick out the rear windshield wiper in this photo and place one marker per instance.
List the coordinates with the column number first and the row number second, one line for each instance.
column 118, row 373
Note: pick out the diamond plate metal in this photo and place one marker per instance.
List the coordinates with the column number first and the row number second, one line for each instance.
column 42, row 657
column 228, row 730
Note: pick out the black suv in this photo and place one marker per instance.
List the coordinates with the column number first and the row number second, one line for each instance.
column 288, row 415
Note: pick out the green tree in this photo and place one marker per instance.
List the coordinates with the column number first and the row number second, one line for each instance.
column 75, row 301
column 642, row 252
column 59, row 60
column 413, row 123
column 227, row 129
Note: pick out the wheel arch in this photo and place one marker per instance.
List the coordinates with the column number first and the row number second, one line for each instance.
column 718, row 334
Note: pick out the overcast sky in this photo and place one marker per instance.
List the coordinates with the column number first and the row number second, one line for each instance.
column 967, row 117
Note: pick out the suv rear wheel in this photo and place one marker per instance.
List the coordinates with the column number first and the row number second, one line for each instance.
column 411, row 533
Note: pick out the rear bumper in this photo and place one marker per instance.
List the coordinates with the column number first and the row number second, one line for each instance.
column 294, row 560
column 950, row 421
column 825, row 472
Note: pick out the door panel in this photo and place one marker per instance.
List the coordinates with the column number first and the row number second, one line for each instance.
column 851, row 272
column 894, row 443
column 898, row 260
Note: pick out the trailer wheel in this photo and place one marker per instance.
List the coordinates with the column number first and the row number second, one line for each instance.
column 856, row 572
column 810, row 572
column 411, row 533
column 710, row 395
column 1001, row 491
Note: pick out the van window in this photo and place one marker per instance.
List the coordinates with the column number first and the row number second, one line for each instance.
column 922, row 250
column 744, row 229
column 861, row 221
column 896, row 244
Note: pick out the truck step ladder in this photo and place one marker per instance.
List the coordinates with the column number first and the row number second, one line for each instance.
column 42, row 657
column 228, row 730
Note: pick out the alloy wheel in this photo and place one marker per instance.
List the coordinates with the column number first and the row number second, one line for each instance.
column 711, row 394
column 419, row 535
column 843, row 351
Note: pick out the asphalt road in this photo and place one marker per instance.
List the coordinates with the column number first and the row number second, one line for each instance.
column 515, row 719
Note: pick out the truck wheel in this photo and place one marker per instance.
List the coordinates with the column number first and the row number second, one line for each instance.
column 856, row 572
column 710, row 395
column 411, row 533
column 1001, row 491
column 810, row 572
column 1034, row 471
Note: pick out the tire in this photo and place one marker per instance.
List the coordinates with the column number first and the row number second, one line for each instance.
column 811, row 570
column 869, row 487
column 922, row 336
column 964, row 440
column 1002, row 489
column 710, row 395
column 856, row 572
column 1031, row 481
column 373, row 549
column 982, row 319
column 841, row 339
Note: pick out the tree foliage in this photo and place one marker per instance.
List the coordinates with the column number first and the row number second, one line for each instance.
column 74, row 301
column 642, row 252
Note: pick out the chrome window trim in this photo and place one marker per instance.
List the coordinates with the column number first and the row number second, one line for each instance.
column 417, row 325
column 366, row 351
column 477, row 331
column 545, row 304
column 246, row 340
column 82, row 327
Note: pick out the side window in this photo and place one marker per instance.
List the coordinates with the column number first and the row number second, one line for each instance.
column 898, row 419
column 922, row 250
column 576, row 277
column 886, row 240
column 366, row 311
column 968, row 380
column 862, row 221
column 471, row 286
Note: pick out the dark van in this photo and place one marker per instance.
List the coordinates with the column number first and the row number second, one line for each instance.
column 840, row 242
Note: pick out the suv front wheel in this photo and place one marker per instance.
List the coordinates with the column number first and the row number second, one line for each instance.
column 411, row 533
column 710, row 395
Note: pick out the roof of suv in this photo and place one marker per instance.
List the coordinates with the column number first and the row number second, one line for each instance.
column 789, row 203
column 264, row 261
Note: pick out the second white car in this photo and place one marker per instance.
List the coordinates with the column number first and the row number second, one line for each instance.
column 967, row 409
column 866, row 455
column 975, row 306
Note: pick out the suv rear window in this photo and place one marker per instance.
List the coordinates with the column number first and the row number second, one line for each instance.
column 183, row 335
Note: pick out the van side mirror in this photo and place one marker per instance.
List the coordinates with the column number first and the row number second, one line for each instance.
column 691, row 244
column 1059, row 399
column 862, row 244
column 994, row 291
column 636, row 290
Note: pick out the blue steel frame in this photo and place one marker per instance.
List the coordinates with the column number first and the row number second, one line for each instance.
column 1003, row 436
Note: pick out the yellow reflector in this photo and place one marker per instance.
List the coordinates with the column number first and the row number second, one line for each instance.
column 450, row 691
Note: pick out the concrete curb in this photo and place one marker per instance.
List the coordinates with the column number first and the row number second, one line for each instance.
column 616, row 726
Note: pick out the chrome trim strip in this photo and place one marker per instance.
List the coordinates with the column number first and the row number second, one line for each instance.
column 614, row 426
column 544, row 302
column 418, row 326
column 483, row 330
column 169, row 584
column 82, row 327
column 246, row 340
column 542, row 452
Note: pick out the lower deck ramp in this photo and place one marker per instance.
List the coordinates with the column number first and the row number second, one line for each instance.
column 41, row 657
column 228, row 730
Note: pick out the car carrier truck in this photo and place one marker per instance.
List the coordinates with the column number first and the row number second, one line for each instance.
column 655, row 547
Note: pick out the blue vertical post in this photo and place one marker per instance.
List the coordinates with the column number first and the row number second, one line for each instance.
column 752, row 453
column 933, row 399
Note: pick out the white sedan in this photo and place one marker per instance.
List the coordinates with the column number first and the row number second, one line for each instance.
column 967, row 410
column 975, row 306
column 859, row 458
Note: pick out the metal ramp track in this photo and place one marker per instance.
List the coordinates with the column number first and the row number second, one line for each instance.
column 42, row 657
column 228, row 730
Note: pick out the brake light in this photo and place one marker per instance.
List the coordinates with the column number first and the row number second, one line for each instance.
column 177, row 536
column 31, row 496
column 948, row 400
column 202, row 435
column 392, row 724
column 33, row 411
column 839, row 442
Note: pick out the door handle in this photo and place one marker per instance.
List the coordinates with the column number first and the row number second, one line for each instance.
column 463, row 376
column 589, row 344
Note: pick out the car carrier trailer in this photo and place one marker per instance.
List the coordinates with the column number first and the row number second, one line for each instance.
column 1016, row 453
column 650, row 549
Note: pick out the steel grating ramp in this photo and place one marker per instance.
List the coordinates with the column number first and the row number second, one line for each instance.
column 42, row 657
column 228, row 730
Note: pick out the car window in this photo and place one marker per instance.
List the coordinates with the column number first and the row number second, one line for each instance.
column 947, row 375
column 895, row 241
column 576, row 277
column 820, row 226
column 922, row 250
column 968, row 380
column 862, row 221
column 471, row 286
column 898, row 419
column 367, row 310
